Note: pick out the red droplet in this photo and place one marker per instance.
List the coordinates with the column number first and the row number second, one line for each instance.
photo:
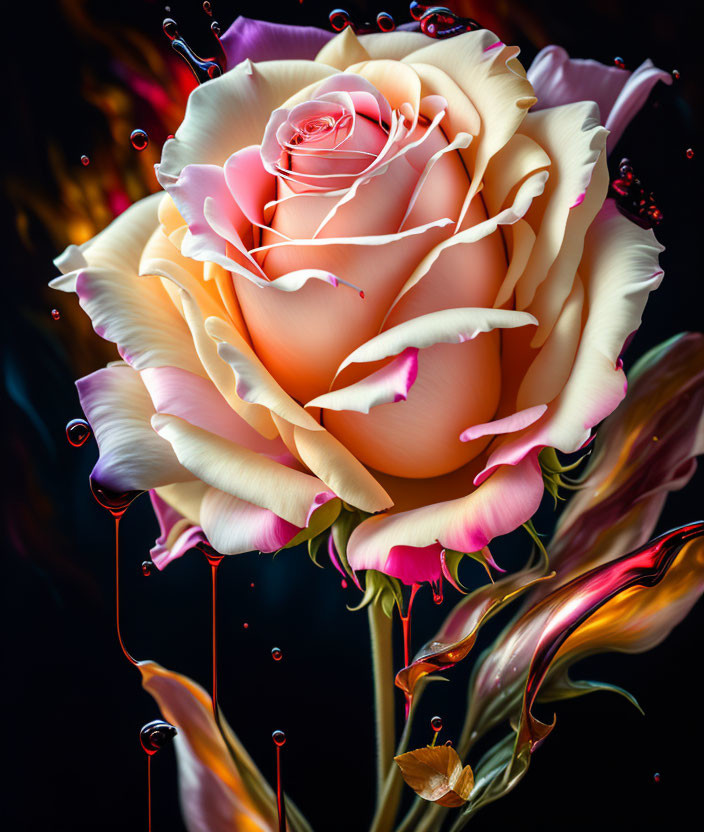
column 279, row 738
column 339, row 19
column 139, row 139
column 78, row 432
column 657, row 777
column 55, row 314
column 85, row 161
column 676, row 74
column 343, row 583
column 208, row 8
column 362, row 295
column 215, row 28
column 385, row 22
column 689, row 153
column 170, row 136
column 246, row 625
column 155, row 735
column 619, row 62
column 436, row 724
column 147, row 568
column 276, row 654
column 251, row 586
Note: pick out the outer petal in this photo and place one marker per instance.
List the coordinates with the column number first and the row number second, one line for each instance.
column 260, row 40
column 620, row 269
column 136, row 313
column 132, row 456
column 391, row 543
column 558, row 79
column 213, row 794
column 177, row 534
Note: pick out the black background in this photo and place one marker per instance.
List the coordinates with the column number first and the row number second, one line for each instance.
column 72, row 706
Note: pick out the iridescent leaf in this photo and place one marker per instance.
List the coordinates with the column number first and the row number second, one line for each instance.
column 458, row 633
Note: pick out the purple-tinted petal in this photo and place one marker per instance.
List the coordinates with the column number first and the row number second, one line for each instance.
column 260, row 40
column 558, row 79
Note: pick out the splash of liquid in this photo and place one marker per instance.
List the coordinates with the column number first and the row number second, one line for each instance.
column 632, row 200
column 117, row 503
column 436, row 586
column 202, row 68
column 78, row 432
column 279, row 739
column 153, row 737
column 439, row 22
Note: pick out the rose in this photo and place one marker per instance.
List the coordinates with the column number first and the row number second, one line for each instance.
column 258, row 391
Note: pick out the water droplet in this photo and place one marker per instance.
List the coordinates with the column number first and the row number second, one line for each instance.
column 147, row 568
column 215, row 28
column 619, row 62
column 276, row 654
column 339, row 19
column 155, row 735
column 85, row 161
column 246, row 625
column 689, row 153
column 279, row 738
column 55, row 314
column 139, row 139
column 208, row 8
column 385, row 22
column 78, row 432
column 657, row 777
column 343, row 583
column 436, row 723
column 676, row 74
column 170, row 28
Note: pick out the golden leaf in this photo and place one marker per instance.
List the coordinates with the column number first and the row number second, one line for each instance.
column 437, row 775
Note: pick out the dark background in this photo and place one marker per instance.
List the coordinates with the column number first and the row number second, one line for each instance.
column 71, row 705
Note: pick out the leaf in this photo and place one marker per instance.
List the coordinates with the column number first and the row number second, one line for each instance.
column 437, row 775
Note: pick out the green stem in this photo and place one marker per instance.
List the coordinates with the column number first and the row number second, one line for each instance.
column 382, row 662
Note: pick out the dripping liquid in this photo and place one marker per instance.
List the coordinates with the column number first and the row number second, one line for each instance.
column 406, row 625
column 149, row 792
column 128, row 656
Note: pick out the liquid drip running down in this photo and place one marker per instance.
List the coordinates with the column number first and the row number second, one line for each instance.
column 279, row 739
column 153, row 737
column 117, row 503
column 406, row 625
column 202, row 68
column 436, row 586
column 214, row 559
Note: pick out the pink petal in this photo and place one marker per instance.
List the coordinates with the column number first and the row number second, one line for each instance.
column 509, row 424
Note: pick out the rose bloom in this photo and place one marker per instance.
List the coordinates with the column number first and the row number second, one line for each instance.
column 383, row 275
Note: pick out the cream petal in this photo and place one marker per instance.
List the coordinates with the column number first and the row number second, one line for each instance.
column 500, row 95
column 393, row 46
column 509, row 424
column 342, row 51
column 135, row 313
column 196, row 400
column 620, row 268
column 118, row 409
column 448, row 326
column 240, row 472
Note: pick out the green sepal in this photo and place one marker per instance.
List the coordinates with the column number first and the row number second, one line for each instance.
column 380, row 589
column 559, row 685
